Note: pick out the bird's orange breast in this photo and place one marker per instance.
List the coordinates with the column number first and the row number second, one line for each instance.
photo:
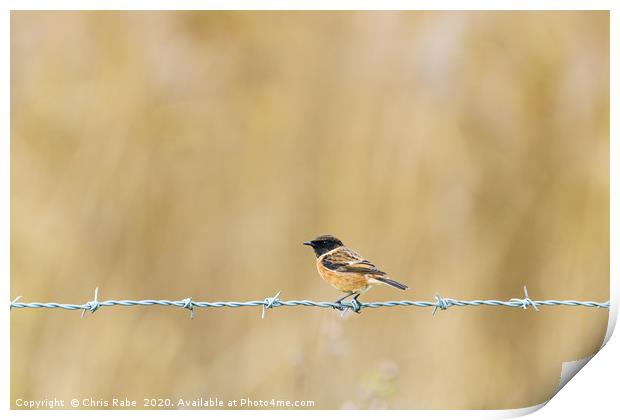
column 345, row 282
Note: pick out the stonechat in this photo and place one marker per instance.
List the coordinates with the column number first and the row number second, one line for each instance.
column 345, row 269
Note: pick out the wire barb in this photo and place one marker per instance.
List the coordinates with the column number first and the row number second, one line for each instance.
column 93, row 305
column 440, row 303
column 356, row 306
column 189, row 304
column 526, row 301
column 269, row 302
column 14, row 301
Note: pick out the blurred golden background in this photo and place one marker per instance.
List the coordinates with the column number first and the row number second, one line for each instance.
column 173, row 154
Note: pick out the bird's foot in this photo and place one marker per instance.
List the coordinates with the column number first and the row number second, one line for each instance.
column 338, row 305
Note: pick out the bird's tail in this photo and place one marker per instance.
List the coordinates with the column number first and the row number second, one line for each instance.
column 392, row 283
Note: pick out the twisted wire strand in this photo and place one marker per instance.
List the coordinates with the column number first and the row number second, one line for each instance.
column 275, row 302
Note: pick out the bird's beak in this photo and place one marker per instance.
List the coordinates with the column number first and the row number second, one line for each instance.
column 309, row 243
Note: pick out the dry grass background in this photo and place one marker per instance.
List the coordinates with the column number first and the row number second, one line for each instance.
column 167, row 155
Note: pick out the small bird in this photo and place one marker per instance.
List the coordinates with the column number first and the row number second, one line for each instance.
column 345, row 269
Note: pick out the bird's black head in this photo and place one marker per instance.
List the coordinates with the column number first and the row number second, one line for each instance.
column 323, row 244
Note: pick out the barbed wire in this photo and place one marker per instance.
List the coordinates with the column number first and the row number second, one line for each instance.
column 275, row 302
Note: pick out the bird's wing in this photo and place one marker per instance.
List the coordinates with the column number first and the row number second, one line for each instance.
column 348, row 261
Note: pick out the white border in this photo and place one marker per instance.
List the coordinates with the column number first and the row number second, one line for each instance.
column 593, row 394
column 308, row 5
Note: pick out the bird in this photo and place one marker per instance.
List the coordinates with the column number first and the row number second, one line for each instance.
column 346, row 270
